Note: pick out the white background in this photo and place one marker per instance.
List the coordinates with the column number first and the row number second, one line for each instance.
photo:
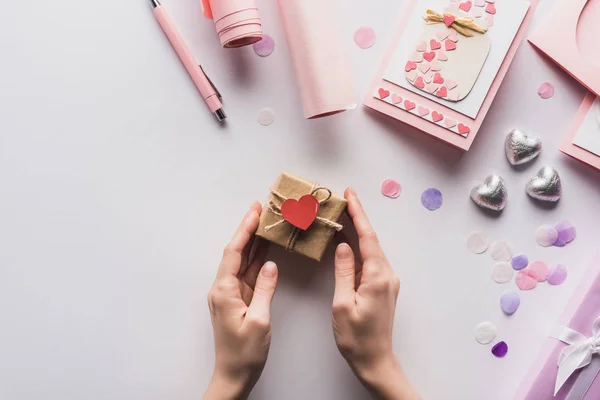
column 118, row 190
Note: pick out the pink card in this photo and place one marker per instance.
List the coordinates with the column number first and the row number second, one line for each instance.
column 570, row 37
column 583, row 140
column 441, row 81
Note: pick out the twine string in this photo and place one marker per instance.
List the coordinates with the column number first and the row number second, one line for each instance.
column 462, row 25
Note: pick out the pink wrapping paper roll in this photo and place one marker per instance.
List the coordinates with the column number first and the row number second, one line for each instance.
column 320, row 60
column 237, row 21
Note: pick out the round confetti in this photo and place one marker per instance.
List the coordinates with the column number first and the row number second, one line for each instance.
column 501, row 251
column 500, row 349
column 566, row 231
column 390, row 188
column 510, row 302
column 546, row 235
column 265, row 46
column 502, row 272
column 519, row 262
column 546, row 90
column 541, row 270
column 477, row 242
column 560, row 243
column 364, row 37
column 526, row 280
column 485, row 332
column 266, row 116
column 432, row 199
column 557, row 275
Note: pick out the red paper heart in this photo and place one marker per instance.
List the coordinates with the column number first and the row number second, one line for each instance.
column 437, row 78
column 436, row 116
column 383, row 93
column 419, row 82
column 410, row 66
column 449, row 19
column 443, row 92
column 490, row 8
column 409, row 105
column 434, row 44
column 450, row 45
column 429, row 55
column 462, row 129
column 301, row 213
column 466, row 6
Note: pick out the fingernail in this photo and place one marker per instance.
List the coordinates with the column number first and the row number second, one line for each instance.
column 269, row 269
column 344, row 251
column 351, row 191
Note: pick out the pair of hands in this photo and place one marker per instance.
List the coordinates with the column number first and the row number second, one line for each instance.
column 363, row 311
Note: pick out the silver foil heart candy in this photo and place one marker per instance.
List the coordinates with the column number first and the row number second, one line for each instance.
column 545, row 186
column 492, row 194
column 521, row 148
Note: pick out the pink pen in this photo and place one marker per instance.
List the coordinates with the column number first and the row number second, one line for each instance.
column 207, row 89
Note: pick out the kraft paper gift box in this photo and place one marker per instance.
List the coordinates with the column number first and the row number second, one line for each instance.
column 313, row 241
column 579, row 325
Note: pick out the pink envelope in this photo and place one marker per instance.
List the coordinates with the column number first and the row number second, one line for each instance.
column 570, row 37
column 577, row 152
column 394, row 93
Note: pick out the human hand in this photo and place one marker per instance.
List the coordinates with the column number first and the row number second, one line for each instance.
column 239, row 303
column 364, row 305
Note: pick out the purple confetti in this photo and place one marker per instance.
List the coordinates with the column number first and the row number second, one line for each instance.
column 559, row 243
column 558, row 275
column 566, row 232
column 265, row 46
column 432, row 199
column 519, row 262
column 500, row 349
column 510, row 302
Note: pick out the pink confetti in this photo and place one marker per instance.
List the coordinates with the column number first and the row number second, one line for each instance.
column 364, row 37
column 390, row 188
column 546, row 235
column 546, row 90
column 264, row 47
column 557, row 275
column 526, row 280
column 540, row 269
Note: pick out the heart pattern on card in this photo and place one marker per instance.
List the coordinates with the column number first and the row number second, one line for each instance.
column 437, row 78
column 409, row 105
column 434, row 44
column 416, row 57
column 443, row 92
column 410, row 66
column 436, row 116
column 396, row 99
column 450, row 84
column 429, row 56
column 431, row 88
column 421, row 47
column 419, row 82
column 412, row 75
column 466, row 6
column 423, row 111
column 462, row 129
column 383, row 93
column 435, row 66
column 428, row 77
column 450, row 45
column 450, row 123
column 424, row 67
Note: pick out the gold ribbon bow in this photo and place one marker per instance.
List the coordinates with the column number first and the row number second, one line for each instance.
column 462, row 25
column 275, row 209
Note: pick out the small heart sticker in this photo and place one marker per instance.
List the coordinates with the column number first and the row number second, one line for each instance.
column 301, row 213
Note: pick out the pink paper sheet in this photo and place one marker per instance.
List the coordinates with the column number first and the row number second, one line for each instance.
column 322, row 65
column 579, row 315
column 575, row 151
column 435, row 130
column 570, row 37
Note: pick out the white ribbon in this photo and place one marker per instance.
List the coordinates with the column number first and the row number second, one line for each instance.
column 577, row 354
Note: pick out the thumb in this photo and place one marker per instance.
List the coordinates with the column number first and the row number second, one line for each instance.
column 264, row 290
column 345, row 274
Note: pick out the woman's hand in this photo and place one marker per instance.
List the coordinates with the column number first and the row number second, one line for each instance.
column 364, row 305
column 239, row 303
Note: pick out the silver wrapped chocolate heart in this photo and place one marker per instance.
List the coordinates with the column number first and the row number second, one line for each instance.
column 546, row 185
column 521, row 148
column 492, row 194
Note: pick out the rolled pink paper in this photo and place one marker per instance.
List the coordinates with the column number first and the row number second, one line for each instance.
column 319, row 56
column 237, row 22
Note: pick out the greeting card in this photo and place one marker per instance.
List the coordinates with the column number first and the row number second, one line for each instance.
column 447, row 62
column 569, row 36
column 583, row 141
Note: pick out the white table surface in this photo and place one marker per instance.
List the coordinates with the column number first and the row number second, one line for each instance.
column 118, row 190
